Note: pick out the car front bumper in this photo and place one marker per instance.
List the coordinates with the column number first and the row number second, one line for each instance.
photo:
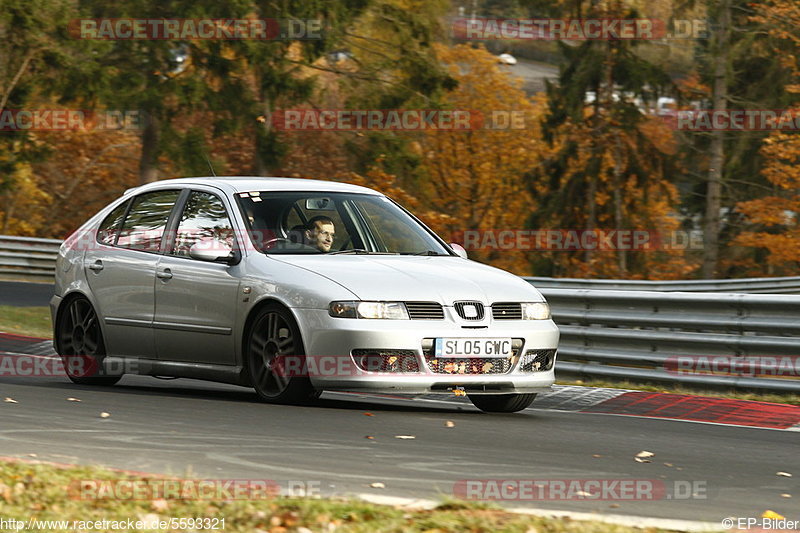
column 330, row 342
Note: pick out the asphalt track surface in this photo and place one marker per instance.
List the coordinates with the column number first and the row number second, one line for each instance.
column 206, row 430
column 222, row 432
column 25, row 294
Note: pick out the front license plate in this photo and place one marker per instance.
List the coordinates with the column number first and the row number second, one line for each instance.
column 469, row 348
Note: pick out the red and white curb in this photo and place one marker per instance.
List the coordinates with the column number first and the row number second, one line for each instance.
column 683, row 407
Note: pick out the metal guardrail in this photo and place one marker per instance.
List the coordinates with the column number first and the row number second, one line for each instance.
column 28, row 257
column 648, row 336
column 787, row 285
column 628, row 332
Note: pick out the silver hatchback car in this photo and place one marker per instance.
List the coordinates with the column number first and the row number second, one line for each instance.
column 293, row 287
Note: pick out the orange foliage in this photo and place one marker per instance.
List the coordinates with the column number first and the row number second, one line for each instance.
column 85, row 170
column 477, row 177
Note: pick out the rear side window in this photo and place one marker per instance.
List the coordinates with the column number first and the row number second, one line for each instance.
column 144, row 226
column 109, row 228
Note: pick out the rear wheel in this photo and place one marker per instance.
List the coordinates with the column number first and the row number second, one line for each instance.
column 276, row 359
column 80, row 344
column 502, row 403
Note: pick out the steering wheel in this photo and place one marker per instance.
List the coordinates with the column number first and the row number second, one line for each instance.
column 271, row 242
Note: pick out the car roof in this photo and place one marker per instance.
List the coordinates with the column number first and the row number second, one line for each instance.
column 234, row 184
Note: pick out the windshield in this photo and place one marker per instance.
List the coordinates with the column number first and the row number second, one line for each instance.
column 333, row 223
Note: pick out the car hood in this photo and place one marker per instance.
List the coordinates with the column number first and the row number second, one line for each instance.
column 410, row 278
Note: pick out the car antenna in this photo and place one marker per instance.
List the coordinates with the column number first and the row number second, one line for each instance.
column 210, row 166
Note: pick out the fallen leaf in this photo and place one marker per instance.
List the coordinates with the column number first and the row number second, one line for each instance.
column 370, row 437
column 377, row 485
column 597, row 456
column 614, row 505
column 583, row 494
column 368, row 414
column 772, row 515
column 642, row 457
column 783, row 474
column 10, row 400
column 104, row 414
column 405, row 437
column 449, row 424
column 32, row 455
column 668, row 464
column 460, row 392
column 73, row 400
column 784, row 495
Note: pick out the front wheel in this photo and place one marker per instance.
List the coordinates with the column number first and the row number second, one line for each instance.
column 275, row 358
column 502, row 403
column 80, row 344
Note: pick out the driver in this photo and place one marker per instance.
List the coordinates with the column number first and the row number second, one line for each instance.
column 320, row 233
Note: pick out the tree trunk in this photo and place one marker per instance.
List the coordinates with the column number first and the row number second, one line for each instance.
column 717, row 161
column 260, row 167
column 622, row 258
column 148, row 161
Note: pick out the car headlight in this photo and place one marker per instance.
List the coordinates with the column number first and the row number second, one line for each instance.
column 535, row 311
column 355, row 309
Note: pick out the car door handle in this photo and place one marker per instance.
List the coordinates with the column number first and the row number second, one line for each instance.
column 165, row 274
column 97, row 266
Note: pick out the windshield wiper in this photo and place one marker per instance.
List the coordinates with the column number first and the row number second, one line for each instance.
column 427, row 252
column 360, row 251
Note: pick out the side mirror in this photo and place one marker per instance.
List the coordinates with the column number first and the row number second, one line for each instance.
column 458, row 249
column 212, row 251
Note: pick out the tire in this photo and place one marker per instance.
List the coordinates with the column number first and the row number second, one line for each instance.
column 80, row 344
column 502, row 403
column 275, row 358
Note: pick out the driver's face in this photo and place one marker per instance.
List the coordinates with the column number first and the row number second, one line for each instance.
column 321, row 236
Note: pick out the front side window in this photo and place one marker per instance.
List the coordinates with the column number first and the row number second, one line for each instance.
column 333, row 223
column 144, row 226
column 204, row 220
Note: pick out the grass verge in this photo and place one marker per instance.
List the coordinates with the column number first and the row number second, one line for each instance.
column 44, row 492
column 31, row 321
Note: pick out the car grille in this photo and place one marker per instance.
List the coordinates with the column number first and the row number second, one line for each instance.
column 397, row 361
column 462, row 313
column 507, row 311
column 537, row 360
column 459, row 365
column 425, row 311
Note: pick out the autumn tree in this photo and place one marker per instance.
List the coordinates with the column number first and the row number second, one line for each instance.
column 609, row 164
column 773, row 225
column 477, row 176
